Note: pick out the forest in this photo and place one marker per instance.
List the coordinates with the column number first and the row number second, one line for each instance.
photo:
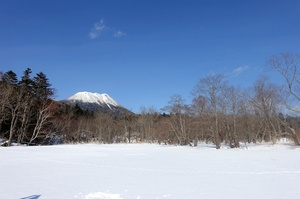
column 219, row 113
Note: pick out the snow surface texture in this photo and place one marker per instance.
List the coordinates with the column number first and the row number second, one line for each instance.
column 96, row 98
column 144, row 171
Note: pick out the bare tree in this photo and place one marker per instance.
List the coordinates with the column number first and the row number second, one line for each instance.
column 287, row 65
column 266, row 101
column 14, row 106
column 163, row 132
column 10, row 102
column 42, row 119
column 108, row 129
column 210, row 87
column 231, row 105
column 201, row 118
column 178, row 120
column 26, row 113
column 146, row 121
column 4, row 100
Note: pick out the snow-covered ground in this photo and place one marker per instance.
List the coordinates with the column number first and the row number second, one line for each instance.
column 146, row 171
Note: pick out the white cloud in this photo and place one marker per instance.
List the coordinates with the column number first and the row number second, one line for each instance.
column 119, row 34
column 239, row 70
column 98, row 28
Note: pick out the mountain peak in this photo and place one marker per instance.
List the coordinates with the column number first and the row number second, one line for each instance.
column 88, row 97
column 95, row 102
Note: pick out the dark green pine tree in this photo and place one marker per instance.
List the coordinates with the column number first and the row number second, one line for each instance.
column 42, row 93
column 41, row 87
column 28, row 105
column 10, row 78
column 26, row 82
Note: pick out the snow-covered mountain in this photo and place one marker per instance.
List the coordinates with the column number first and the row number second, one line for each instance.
column 95, row 102
column 94, row 98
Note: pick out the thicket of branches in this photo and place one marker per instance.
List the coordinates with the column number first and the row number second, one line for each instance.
column 25, row 106
column 219, row 113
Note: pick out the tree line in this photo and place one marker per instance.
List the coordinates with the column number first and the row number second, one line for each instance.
column 25, row 106
column 219, row 113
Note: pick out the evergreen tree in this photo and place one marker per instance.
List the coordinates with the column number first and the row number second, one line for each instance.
column 28, row 108
column 10, row 78
column 41, row 86
column 26, row 81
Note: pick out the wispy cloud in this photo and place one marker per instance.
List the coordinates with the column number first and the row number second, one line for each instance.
column 100, row 27
column 239, row 70
column 119, row 34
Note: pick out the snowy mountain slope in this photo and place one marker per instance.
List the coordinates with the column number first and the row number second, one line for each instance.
column 95, row 102
column 97, row 98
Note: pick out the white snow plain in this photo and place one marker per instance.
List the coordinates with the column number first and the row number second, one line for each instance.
column 149, row 171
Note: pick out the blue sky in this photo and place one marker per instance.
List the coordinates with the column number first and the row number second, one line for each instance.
column 141, row 52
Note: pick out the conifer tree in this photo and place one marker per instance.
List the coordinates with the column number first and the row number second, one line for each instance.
column 41, row 87
column 27, row 110
column 10, row 78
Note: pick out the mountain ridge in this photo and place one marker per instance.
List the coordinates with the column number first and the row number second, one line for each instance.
column 96, row 103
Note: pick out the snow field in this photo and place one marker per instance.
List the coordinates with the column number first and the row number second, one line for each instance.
column 145, row 171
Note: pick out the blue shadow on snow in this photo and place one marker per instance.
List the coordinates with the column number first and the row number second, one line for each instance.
column 31, row 197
